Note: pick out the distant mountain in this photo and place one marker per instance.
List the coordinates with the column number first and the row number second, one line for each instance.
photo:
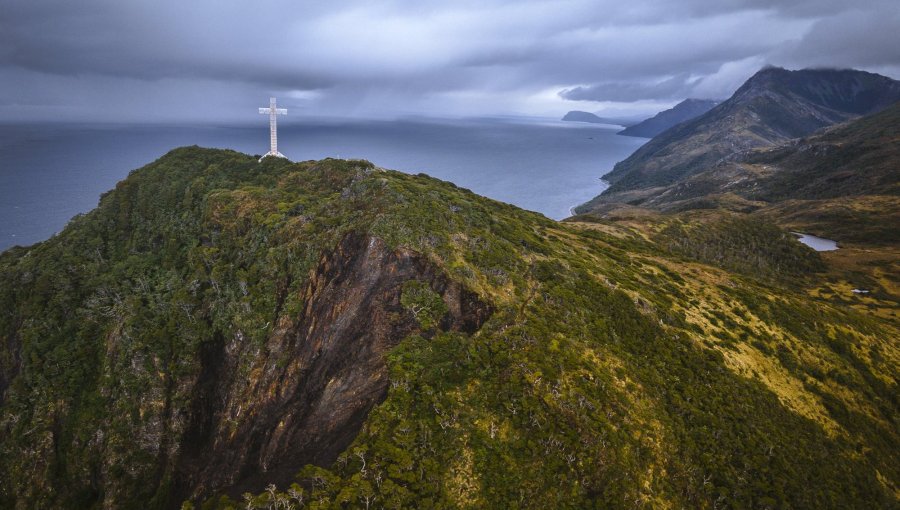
column 683, row 111
column 772, row 107
column 857, row 158
column 844, row 181
column 578, row 116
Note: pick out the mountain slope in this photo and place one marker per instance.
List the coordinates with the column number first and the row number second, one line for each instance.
column 216, row 323
column 823, row 182
column 683, row 111
column 857, row 158
column 771, row 107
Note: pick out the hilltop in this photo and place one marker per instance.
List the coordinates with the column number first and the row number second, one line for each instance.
column 355, row 335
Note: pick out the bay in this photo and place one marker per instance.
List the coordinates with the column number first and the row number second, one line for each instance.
column 49, row 173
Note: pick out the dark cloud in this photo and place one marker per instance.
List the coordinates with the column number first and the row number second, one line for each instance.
column 81, row 59
column 858, row 37
column 670, row 88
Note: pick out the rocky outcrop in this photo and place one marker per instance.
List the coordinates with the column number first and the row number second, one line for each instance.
column 317, row 377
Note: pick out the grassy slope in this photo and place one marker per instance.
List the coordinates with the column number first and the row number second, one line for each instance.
column 841, row 183
column 852, row 159
column 615, row 373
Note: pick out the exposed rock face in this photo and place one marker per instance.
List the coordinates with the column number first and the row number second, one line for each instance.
column 144, row 375
column 322, row 372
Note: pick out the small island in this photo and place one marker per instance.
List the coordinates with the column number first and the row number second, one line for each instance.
column 579, row 116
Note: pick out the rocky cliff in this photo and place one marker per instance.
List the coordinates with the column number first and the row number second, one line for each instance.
column 321, row 374
column 191, row 407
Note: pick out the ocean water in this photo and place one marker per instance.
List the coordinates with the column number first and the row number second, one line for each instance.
column 49, row 173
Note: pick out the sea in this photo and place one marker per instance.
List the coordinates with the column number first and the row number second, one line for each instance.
column 51, row 172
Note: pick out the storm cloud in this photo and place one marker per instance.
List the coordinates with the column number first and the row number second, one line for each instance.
column 212, row 60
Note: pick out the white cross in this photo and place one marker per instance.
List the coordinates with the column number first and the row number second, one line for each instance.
column 272, row 111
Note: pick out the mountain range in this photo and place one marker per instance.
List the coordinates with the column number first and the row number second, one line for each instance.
column 683, row 111
column 648, row 128
column 772, row 107
column 841, row 180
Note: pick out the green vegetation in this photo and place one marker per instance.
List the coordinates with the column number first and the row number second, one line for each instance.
column 742, row 245
column 840, row 183
column 830, row 164
column 612, row 374
column 425, row 304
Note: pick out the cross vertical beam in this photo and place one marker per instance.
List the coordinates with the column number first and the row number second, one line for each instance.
column 273, row 111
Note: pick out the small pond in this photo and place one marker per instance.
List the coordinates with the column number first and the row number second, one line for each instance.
column 816, row 243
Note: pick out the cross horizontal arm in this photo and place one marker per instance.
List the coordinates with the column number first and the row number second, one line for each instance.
column 280, row 111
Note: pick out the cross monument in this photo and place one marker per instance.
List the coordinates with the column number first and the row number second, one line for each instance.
column 272, row 112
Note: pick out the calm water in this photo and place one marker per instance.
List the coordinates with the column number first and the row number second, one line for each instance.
column 50, row 173
column 816, row 243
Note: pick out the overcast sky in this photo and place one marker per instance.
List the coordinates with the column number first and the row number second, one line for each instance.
column 218, row 60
